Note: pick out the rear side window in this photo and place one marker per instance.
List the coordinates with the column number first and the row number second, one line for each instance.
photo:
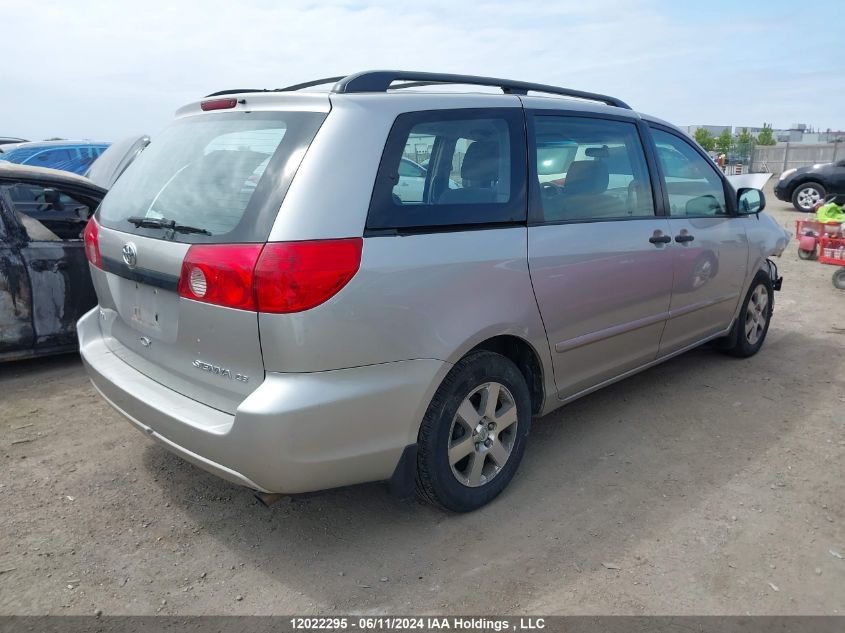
column 221, row 177
column 451, row 168
column 591, row 169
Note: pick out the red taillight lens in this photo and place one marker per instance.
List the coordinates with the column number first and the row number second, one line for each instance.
column 278, row 277
column 221, row 274
column 218, row 104
column 297, row 276
column 92, row 242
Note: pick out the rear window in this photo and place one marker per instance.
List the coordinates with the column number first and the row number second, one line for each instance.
column 221, row 177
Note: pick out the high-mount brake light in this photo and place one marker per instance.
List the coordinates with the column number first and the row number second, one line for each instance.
column 279, row 277
column 92, row 242
column 218, row 104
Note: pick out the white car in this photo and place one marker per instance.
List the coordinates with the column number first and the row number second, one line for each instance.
column 411, row 181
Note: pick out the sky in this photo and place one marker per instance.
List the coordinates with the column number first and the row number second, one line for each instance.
column 107, row 69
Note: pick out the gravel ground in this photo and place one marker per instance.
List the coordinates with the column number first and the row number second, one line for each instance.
column 707, row 485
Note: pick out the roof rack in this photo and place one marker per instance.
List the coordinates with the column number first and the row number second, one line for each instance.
column 310, row 84
column 302, row 86
column 382, row 80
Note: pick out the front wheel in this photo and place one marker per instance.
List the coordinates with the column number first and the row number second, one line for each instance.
column 805, row 196
column 839, row 278
column 754, row 318
column 473, row 435
column 802, row 254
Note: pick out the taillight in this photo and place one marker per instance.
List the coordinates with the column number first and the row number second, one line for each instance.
column 221, row 274
column 278, row 277
column 297, row 276
column 92, row 242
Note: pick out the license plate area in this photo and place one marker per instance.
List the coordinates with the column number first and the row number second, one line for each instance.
column 145, row 306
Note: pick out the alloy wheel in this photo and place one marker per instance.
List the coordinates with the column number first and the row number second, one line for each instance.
column 808, row 197
column 483, row 434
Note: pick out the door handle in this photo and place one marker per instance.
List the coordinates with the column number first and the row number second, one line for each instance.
column 660, row 239
column 684, row 237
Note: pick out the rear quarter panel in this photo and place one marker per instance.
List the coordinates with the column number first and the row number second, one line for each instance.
column 430, row 296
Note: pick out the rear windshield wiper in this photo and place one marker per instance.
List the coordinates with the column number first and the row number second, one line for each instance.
column 164, row 223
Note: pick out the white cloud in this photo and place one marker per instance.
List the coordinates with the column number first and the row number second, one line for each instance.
column 108, row 69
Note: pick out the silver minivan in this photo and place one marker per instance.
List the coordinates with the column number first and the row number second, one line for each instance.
column 277, row 309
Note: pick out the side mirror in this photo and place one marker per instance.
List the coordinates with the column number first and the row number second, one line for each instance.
column 750, row 201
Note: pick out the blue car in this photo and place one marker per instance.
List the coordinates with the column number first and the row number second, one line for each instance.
column 74, row 157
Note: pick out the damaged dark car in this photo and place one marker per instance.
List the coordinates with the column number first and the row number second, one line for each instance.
column 45, row 285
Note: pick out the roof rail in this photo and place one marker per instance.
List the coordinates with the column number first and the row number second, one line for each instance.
column 381, row 80
column 302, row 86
column 235, row 91
column 310, row 84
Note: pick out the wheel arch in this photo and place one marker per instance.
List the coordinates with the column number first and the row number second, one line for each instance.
column 525, row 357
column 805, row 179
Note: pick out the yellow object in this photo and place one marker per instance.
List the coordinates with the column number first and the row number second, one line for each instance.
column 830, row 212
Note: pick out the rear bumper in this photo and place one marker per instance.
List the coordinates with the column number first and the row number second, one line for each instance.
column 294, row 433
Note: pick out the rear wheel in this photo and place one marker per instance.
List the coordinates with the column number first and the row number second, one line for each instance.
column 752, row 325
column 806, row 195
column 839, row 278
column 474, row 432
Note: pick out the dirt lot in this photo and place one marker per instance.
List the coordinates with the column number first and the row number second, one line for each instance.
column 706, row 485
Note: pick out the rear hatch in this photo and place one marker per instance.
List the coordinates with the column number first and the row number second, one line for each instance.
column 207, row 189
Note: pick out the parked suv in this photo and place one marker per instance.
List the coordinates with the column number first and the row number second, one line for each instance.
column 291, row 335
column 805, row 186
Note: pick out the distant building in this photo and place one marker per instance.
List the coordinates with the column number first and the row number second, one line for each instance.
column 798, row 133
column 751, row 129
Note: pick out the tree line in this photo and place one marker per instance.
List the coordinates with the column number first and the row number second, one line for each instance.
column 723, row 143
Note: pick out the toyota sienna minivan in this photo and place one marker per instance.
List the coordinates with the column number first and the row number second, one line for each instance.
column 274, row 308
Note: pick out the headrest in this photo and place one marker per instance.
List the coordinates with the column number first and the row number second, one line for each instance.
column 586, row 176
column 481, row 162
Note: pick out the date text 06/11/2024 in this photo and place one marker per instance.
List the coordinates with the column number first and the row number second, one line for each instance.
column 386, row 623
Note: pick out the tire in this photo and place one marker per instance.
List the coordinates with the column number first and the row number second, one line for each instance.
column 839, row 278
column 468, row 475
column 802, row 254
column 752, row 325
column 806, row 195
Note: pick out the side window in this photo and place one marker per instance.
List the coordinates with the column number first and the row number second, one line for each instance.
column 591, row 169
column 53, row 158
column 451, row 167
column 48, row 215
column 692, row 184
column 410, row 169
column 411, row 185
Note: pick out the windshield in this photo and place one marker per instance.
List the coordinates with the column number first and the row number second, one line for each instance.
column 225, row 174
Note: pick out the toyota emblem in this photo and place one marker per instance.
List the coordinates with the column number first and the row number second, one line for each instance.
column 130, row 255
